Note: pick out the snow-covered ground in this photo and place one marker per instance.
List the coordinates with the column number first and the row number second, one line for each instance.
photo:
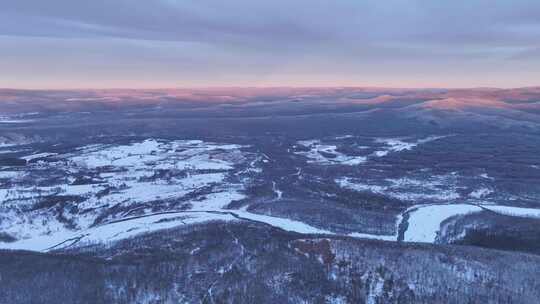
column 481, row 193
column 121, row 177
column 425, row 222
column 514, row 211
column 38, row 155
column 14, row 140
column 14, row 121
column 433, row 189
column 9, row 175
column 282, row 223
column 373, row 236
column 123, row 186
column 17, row 118
column 279, row 193
column 326, row 154
column 115, row 231
column 399, row 144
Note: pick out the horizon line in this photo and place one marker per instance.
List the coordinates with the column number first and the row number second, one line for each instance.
column 267, row 87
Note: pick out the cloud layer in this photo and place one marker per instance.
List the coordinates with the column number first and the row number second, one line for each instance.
column 119, row 43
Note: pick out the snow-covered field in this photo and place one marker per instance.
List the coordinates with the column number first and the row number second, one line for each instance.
column 110, row 182
column 282, row 223
column 514, row 211
column 433, row 189
column 425, row 221
column 442, row 201
column 14, row 121
column 327, row 153
column 399, row 144
column 115, row 231
column 129, row 178
column 481, row 193
column 106, row 192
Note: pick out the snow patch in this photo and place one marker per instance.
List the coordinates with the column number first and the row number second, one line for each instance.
column 514, row 211
column 435, row 188
column 283, row 223
column 373, row 236
column 113, row 232
column 150, row 172
column 325, row 154
column 398, row 144
column 279, row 193
column 425, row 221
column 38, row 155
column 480, row 193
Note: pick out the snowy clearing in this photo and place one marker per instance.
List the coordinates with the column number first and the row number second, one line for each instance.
column 425, row 221
column 139, row 176
column 435, row 188
column 514, row 211
column 324, row 154
column 114, row 231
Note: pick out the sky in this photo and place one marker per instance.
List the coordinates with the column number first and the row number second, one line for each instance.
column 60, row 44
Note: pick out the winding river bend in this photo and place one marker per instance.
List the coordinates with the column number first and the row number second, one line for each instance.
column 419, row 223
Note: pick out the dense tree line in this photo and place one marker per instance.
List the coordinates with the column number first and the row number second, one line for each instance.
column 251, row 263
